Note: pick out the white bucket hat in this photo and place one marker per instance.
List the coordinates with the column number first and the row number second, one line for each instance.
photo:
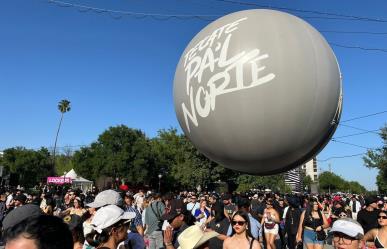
column 193, row 237
column 110, row 215
column 349, row 227
column 107, row 197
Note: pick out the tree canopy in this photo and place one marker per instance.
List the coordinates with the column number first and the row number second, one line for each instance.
column 378, row 159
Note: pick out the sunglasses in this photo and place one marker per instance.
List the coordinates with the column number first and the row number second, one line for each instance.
column 382, row 217
column 240, row 223
column 342, row 215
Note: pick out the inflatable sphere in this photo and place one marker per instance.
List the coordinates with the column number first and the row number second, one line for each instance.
column 258, row 91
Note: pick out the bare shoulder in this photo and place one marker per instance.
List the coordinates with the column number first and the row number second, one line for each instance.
column 256, row 245
column 226, row 243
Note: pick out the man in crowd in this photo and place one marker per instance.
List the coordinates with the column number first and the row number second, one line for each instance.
column 193, row 204
column 355, row 206
column 153, row 222
column 368, row 217
column 347, row 234
column 179, row 218
column 229, row 208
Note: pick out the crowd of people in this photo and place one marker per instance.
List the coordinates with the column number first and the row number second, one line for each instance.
column 116, row 218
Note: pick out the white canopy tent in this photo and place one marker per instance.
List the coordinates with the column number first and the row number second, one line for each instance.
column 78, row 181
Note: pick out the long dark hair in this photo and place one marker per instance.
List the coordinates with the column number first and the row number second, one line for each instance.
column 95, row 239
column 245, row 216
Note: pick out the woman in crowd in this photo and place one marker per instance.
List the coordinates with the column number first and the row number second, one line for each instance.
column 270, row 223
column 379, row 235
column 110, row 225
column 77, row 209
column 312, row 225
column 241, row 237
column 202, row 213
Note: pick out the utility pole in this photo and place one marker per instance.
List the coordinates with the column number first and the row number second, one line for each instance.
column 330, row 170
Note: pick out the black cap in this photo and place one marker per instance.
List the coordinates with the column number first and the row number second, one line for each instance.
column 177, row 208
column 19, row 214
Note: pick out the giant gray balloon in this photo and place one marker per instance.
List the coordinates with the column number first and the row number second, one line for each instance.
column 258, row 91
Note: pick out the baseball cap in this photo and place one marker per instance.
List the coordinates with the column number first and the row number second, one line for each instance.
column 110, row 215
column 19, row 214
column 370, row 199
column 72, row 220
column 107, row 197
column 193, row 237
column 177, row 208
column 349, row 227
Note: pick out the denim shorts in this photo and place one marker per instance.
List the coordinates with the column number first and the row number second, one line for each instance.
column 310, row 238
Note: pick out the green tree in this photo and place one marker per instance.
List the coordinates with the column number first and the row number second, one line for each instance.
column 119, row 152
column 31, row 166
column 307, row 181
column 274, row 182
column 378, row 159
column 63, row 107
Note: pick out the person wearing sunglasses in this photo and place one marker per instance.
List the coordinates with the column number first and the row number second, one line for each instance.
column 270, row 223
column 379, row 235
column 347, row 234
column 241, row 237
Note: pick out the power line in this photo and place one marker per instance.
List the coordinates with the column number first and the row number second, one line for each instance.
column 117, row 14
column 353, row 32
column 356, row 128
column 358, row 18
column 356, row 134
column 340, row 157
column 364, row 116
column 342, row 142
column 384, row 50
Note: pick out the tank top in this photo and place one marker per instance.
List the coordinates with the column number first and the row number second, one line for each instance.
column 377, row 242
column 312, row 222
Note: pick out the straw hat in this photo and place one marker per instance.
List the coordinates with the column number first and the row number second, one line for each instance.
column 194, row 236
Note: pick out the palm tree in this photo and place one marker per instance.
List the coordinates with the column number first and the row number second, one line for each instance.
column 63, row 107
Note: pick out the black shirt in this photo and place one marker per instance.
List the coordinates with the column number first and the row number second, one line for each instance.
column 368, row 219
column 220, row 227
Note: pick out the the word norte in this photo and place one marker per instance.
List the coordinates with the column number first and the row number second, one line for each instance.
column 227, row 73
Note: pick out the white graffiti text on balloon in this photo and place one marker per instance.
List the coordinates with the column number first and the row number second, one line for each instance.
column 228, row 69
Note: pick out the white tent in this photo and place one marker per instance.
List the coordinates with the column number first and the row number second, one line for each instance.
column 78, row 181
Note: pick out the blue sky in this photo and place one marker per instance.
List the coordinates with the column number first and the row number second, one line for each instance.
column 119, row 69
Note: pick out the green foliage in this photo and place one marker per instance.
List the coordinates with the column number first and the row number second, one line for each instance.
column 273, row 182
column 307, row 181
column 378, row 159
column 31, row 166
column 119, row 152
column 331, row 182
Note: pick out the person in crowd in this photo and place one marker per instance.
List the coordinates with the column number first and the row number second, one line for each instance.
column 49, row 207
column 338, row 210
column 202, row 214
column 195, row 238
column 139, row 200
column 229, row 207
column 354, row 206
column 379, row 235
column 280, row 207
column 270, row 222
column 39, row 232
column 241, row 237
column 74, row 223
column 110, row 225
column 347, row 234
column 77, row 208
column 292, row 218
column 312, row 225
column 153, row 222
column 192, row 205
column 179, row 218
column 255, row 226
column 218, row 223
column 367, row 217
column 136, row 225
